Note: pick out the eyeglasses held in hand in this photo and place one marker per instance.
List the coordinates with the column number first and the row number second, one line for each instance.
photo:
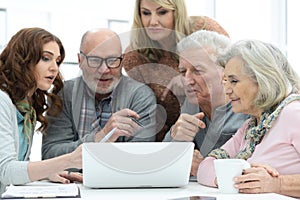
column 96, row 62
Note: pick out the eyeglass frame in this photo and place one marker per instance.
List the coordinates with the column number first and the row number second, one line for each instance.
column 102, row 59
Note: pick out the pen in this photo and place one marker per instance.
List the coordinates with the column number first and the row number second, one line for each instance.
column 109, row 135
column 136, row 121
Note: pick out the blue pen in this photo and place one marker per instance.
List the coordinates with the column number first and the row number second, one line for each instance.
column 109, row 135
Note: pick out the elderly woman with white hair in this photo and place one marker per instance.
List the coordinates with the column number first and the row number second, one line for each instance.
column 260, row 82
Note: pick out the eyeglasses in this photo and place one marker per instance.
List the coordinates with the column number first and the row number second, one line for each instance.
column 95, row 61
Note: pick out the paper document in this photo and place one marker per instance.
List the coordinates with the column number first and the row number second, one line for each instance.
column 42, row 191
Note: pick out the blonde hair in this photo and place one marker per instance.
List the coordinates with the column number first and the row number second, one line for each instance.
column 141, row 42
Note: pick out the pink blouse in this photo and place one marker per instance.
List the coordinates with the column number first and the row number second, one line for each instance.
column 280, row 147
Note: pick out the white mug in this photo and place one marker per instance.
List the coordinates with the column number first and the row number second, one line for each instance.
column 226, row 170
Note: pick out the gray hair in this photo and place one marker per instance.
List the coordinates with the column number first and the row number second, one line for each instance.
column 209, row 40
column 267, row 66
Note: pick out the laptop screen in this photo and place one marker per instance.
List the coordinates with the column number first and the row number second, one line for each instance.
column 143, row 164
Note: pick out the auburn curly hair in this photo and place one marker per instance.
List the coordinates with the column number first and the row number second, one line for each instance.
column 17, row 67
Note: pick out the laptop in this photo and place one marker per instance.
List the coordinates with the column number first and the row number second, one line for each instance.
column 135, row 165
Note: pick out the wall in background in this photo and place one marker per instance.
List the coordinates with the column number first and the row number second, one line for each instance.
column 272, row 21
column 66, row 19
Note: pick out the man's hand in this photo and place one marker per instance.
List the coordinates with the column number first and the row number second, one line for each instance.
column 187, row 126
column 197, row 159
column 124, row 124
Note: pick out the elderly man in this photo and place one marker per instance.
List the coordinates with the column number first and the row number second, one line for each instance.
column 206, row 116
column 100, row 101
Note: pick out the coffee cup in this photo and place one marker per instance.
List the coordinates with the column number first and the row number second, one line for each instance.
column 226, row 170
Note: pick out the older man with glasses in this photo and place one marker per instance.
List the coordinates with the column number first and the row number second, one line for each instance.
column 100, row 101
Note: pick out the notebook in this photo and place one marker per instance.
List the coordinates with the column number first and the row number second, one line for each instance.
column 140, row 164
column 40, row 189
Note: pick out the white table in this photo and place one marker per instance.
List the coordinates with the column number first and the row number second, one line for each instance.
column 192, row 189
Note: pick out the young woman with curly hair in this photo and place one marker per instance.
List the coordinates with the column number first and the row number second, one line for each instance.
column 29, row 83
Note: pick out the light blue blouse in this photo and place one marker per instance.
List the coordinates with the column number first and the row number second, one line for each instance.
column 23, row 145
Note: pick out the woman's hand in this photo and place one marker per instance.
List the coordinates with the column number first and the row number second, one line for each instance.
column 272, row 171
column 258, row 179
column 66, row 177
column 75, row 158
